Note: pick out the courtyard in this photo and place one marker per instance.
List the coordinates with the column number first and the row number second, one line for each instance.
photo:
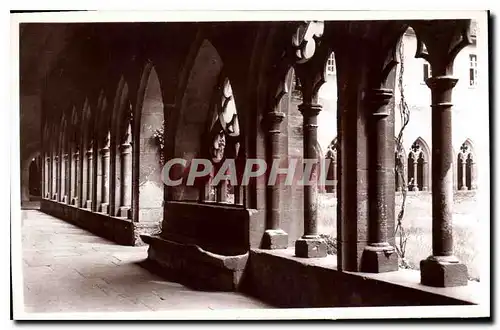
column 418, row 224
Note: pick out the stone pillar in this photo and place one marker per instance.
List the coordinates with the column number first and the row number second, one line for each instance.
column 221, row 192
column 444, row 39
column 88, row 203
column 442, row 268
column 69, row 177
column 81, row 177
column 125, row 176
column 59, row 177
column 415, row 172
column 425, row 174
column 96, row 179
column 473, row 170
column 74, row 178
column 104, row 208
column 64, row 166
column 463, row 165
column 47, row 178
column 378, row 256
column 55, row 165
column 310, row 245
column 274, row 237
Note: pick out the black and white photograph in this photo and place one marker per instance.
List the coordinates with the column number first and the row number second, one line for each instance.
column 250, row 166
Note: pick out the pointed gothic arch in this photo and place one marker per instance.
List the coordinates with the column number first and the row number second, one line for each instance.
column 466, row 166
column 418, row 165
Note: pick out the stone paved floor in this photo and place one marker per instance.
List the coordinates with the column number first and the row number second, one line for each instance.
column 67, row 269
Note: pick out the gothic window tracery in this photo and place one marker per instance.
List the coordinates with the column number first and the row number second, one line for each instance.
column 466, row 167
column 418, row 166
column 224, row 143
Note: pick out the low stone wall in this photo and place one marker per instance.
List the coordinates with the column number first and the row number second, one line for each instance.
column 115, row 229
column 195, row 267
column 280, row 279
column 221, row 229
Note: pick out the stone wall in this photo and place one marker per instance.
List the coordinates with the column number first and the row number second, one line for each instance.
column 285, row 281
column 118, row 230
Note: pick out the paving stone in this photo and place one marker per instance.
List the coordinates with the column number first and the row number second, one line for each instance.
column 67, row 269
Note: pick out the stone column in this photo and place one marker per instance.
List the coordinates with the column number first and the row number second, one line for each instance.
column 444, row 39
column 415, row 172
column 463, row 164
column 81, row 177
column 378, row 256
column 310, row 245
column 274, row 237
column 55, row 165
column 442, row 268
column 104, row 208
column 425, row 174
column 64, row 166
column 47, row 178
column 473, row 181
column 88, row 203
column 69, row 177
column 125, row 176
column 221, row 192
column 75, row 167
column 59, row 176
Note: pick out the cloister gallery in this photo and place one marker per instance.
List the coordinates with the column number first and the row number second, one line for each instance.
column 119, row 100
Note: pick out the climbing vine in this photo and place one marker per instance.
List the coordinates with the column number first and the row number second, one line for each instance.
column 404, row 113
column 159, row 137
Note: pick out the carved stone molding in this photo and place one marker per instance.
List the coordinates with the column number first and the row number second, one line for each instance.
column 439, row 42
column 305, row 39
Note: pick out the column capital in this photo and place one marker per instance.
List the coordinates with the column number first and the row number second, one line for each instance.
column 273, row 121
column 65, row 156
column 125, row 148
column 310, row 109
column 439, row 42
column 441, row 83
column 105, row 151
column 378, row 98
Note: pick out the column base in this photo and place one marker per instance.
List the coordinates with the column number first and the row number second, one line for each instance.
column 74, row 201
column 88, row 204
column 54, row 197
column 443, row 272
column 379, row 259
column 275, row 239
column 124, row 212
column 65, row 199
column 310, row 247
column 104, row 208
